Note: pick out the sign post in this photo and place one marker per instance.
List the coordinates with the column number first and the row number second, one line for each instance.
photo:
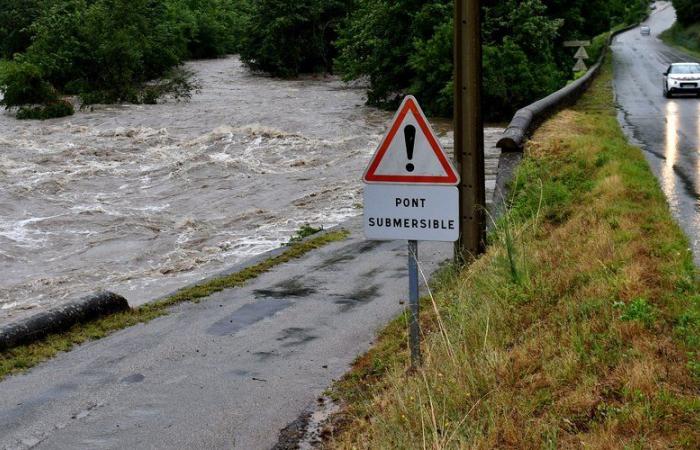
column 413, row 301
column 410, row 194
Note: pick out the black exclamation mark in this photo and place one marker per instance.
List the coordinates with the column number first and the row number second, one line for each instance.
column 410, row 134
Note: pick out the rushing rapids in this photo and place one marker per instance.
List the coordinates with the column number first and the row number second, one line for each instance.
column 142, row 199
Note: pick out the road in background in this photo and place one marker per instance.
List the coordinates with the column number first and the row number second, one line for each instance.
column 668, row 130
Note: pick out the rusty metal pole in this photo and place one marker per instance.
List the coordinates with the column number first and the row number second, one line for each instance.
column 469, row 130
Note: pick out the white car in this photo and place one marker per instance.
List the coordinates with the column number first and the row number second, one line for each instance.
column 645, row 31
column 682, row 78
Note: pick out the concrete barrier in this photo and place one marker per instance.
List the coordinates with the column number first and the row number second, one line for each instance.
column 61, row 318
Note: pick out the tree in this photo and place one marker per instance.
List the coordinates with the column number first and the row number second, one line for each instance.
column 405, row 47
column 288, row 38
column 16, row 16
column 687, row 11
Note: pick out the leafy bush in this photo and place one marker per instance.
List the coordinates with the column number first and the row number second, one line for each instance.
column 217, row 27
column 518, row 53
column 639, row 310
column 288, row 38
column 687, row 37
column 303, row 232
column 60, row 108
column 23, row 83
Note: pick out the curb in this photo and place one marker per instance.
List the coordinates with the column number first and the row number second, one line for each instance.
column 61, row 318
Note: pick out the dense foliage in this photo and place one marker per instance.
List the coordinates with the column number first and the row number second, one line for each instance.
column 688, row 11
column 286, row 38
column 106, row 50
column 16, row 17
column 405, row 46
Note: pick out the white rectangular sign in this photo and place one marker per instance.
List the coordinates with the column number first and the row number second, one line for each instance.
column 411, row 212
column 577, row 43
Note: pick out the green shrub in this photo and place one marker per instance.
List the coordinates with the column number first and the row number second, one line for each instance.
column 405, row 49
column 638, row 310
column 60, row 108
column 687, row 37
column 23, row 83
column 303, row 232
column 16, row 18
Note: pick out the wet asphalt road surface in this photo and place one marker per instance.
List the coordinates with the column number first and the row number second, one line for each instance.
column 229, row 372
column 668, row 130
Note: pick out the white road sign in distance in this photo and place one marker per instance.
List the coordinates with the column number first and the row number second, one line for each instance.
column 411, row 212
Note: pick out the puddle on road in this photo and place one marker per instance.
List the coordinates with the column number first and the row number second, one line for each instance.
column 286, row 289
column 247, row 315
column 293, row 337
column 357, row 298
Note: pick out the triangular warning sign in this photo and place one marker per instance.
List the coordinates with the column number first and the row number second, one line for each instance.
column 410, row 153
column 581, row 53
column 580, row 66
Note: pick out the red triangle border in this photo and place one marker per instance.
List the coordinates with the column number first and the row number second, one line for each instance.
column 371, row 176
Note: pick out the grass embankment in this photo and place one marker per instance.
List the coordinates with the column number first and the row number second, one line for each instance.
column 686, row 39
column 26, row 356
column 579, row 328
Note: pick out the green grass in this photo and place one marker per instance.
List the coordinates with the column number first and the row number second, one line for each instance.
column 579, row 328
column 686, row 39
column 26, row 356
column 303, row 232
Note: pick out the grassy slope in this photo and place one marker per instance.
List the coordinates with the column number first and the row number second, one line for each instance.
column 26, row 356
column 588, row 338
column 687, row 39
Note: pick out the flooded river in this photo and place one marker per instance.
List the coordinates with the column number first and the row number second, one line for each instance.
column 141, row 200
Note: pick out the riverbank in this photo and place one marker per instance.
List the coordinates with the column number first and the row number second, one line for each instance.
column 580, row 326
column 222, row 372
column 685, row 39
column 141, row 200
column 24, row 357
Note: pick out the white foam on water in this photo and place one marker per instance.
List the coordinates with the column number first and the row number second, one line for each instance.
column 144, row 199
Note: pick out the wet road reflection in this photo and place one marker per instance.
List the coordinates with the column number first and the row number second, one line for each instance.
column 668, row 182
column 667, row 130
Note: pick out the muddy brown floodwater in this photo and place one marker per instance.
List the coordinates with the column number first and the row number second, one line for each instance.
column 141, row 200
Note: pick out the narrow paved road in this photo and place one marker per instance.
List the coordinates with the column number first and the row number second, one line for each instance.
column 668, row 130
column 229, row 372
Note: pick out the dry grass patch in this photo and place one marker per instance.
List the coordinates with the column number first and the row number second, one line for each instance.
column 578, row 329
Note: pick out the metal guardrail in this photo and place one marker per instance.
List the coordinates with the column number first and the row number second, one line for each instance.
column 527, row 118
